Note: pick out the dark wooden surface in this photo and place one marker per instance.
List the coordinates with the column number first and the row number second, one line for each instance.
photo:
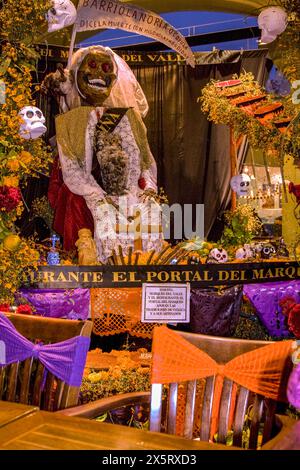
column 289, row 437
column 22, row 381
column 10, row 412
column 52, row 431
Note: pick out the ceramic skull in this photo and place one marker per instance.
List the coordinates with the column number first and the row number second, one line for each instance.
column 32, row 126
column 268, row 251
column 61, row 14
column 240, row 184
column 272, row 21
column 217, row 255
column 245, row 252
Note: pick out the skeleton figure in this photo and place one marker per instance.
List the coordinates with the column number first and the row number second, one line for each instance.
column 32, row 126
column 61, row 14
column 105, row 168
column 217, row 255
column 241, row 184
column 272, row 21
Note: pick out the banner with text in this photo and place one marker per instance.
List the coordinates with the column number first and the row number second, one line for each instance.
column 112, row 14
column 202, row 275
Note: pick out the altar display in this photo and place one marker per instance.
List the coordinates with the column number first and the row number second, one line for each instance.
column 108, row 259
column 106, row 144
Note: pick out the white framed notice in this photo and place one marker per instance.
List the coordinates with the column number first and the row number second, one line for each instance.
column 166, row 303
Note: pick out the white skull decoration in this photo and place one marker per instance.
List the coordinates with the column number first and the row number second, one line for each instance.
column 245, row 252
column 32, row 126
column 217, row 256
column 272, row 21
column 240, row 184
column 63, row 13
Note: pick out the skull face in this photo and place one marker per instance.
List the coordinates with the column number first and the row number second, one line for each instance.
column 96, row 77
column 268, row 251
column 272, row 21
column 63, row 13
column 241, row 184
column 217, row 256
column 32, row 126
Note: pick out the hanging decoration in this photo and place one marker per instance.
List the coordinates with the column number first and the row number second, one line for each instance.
column 61, row 14
column 241, row 184
column 114, row 14
column 32, row 126
column 272, row 21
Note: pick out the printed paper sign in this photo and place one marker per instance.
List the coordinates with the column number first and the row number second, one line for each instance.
column 167, row 303
column 102, row 14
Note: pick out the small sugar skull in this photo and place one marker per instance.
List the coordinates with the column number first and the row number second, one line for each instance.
column 272, row 21
column 268, row 251
column 245, row 252
column 32, row 126
column 240, row 184
column 61, row 14
column 217, row 255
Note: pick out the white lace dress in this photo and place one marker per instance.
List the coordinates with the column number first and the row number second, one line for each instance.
column 112, row 227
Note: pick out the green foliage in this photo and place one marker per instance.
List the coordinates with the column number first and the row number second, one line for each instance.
column 241, row 226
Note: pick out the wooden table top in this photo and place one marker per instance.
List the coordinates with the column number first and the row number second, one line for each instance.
column 50, row 431
column 10, row 412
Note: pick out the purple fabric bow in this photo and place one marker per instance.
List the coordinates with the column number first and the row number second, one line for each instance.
column 293, row 389
column 65, row 360
column 265, row 298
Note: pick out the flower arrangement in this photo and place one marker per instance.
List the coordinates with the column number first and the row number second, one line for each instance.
column 17, row 261
column 241, row 226
column 25, row 309
column 19, row 158
column 121, row 378
column 262, row 134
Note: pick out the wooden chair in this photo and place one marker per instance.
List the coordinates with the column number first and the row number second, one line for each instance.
column 23, row 382
column 194, row 401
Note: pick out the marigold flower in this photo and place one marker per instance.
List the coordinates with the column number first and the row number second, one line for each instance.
column 13, row 164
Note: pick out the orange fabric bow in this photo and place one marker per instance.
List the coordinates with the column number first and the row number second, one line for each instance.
column 262, row 370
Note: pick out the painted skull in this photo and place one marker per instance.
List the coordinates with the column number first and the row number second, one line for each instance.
column 241, row 184
column 268, row 251
column 272, row 21
column 245, row 252
column 96, row 76
column 32, row 126
column 61, row 14
column 217, row 256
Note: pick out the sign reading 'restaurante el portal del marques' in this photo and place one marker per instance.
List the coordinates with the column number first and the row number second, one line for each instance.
column 134, row 276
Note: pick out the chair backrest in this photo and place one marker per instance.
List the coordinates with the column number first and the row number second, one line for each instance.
column 186, row 408
column 23, row 382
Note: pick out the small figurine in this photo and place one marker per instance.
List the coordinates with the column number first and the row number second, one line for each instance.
column 87, row 251
column 53, row 255
column 246, row 252
column 282, row 251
